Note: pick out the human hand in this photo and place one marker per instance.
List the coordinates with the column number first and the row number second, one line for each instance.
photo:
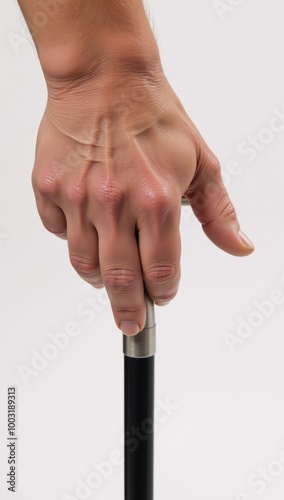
column 115, row 152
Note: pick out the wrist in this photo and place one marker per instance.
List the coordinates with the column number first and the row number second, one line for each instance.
column 75, row 60
column 125, row 86
column 75, row 38
column 96, row 47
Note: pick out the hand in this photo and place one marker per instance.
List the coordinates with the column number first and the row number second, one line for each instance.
column 115, row 153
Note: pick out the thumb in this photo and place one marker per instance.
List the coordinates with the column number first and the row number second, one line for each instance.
column 212, row 206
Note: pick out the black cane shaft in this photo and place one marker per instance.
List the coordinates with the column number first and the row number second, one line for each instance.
column 139, row 428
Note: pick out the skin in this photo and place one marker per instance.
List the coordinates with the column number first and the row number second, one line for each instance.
column 116, row 151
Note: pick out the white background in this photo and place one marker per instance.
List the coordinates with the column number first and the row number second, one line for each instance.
column 228, row 420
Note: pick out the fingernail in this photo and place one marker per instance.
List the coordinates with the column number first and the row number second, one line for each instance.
column 245, row 240
column 129, row 327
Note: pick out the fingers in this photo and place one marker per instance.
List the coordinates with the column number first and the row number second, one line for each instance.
column 160, row 247
column 113, row 250
column 52, row 217
column 122, row 277
column 112, row 257
column 83, row 251
column 45, row 184
column 213, row 208
column 82, row 237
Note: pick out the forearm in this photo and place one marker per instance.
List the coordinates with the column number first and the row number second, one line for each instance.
column 75, row 36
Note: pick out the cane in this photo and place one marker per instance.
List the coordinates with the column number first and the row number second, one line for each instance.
column 139, row 370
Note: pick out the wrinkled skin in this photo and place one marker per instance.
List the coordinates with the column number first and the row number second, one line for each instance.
column 114, row 155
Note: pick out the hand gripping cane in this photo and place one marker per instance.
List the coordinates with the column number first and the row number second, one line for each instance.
column 139, row 354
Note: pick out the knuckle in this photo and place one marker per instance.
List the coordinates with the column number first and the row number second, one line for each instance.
column 45, row 183
column 121, row 279
column 158, row 202
column 110, row 195
column 212, row 189
column 123, row 310
column 227, row 209
column 213, row 165
column 209, row 167
column 83, row 265
column 160, row 274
